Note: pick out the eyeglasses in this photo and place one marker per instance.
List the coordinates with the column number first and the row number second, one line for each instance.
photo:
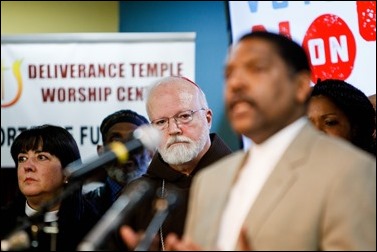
column 180, row 118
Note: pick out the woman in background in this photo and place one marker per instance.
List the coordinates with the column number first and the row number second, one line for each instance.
column 340, row 109
column 40, row 155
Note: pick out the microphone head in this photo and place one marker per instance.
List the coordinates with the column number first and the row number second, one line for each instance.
column 17, row 241
column 148, row 135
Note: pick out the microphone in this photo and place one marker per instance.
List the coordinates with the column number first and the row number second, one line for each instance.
column 163, row 204
column 144, row 136
column 114, row 216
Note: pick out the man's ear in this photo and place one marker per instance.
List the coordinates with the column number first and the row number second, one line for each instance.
column 209, row 117
column 100, row 149
column 303, row 86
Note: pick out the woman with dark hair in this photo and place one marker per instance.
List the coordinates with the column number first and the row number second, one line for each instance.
column 51, row 219
column 340, row 109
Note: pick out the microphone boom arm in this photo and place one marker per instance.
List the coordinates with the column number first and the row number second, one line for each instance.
column 155, row 224
column 113, row 217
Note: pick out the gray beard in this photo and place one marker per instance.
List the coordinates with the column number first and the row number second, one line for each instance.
column 180, row 154
column 121, row 176
column 183, row 152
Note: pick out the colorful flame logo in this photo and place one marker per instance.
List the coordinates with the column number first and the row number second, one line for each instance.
column 16, row 69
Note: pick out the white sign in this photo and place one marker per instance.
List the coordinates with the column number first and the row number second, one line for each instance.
column 339, row 36
column 76, row 80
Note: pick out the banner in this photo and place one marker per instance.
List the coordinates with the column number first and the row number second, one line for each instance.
column 76, row 80
column 340, row 37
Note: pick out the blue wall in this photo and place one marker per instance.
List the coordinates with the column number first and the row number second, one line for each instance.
column 209, row 21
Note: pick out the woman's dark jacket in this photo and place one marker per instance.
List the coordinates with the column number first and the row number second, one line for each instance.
column 75, row 220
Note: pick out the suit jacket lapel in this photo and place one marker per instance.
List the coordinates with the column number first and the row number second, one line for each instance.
column 226, row 180
column 280, row 180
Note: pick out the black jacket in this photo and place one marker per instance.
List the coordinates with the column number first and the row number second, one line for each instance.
column 159, row 171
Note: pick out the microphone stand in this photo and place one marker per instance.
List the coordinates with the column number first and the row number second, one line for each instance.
column 158, row 219
column 114, row 216
column 19, row 239
column 162, row 206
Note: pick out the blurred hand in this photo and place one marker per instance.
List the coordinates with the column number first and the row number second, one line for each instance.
column 243, row 243
column 132, row 239
column 173, row 243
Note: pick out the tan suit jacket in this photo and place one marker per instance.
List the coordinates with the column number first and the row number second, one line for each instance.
column 320, row 196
